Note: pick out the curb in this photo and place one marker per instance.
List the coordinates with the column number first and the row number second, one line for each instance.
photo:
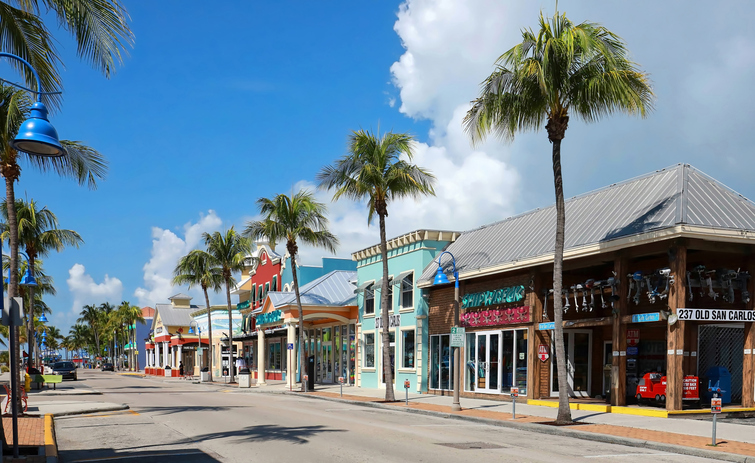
column 90, row 411
column 51, row 443
column 550, row 430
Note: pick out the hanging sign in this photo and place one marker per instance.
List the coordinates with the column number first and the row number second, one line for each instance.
column 542, row 352
column 633, row 337
column 719, row 315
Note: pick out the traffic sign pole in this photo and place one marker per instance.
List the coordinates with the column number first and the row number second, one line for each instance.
column 715, row 409
column 514, row 395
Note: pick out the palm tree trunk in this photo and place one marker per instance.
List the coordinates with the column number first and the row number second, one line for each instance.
column 10, row 198
column 301, row 322
column 385, row 308
column 564, row 413
column 30, row 319
column 209, row 329
column 230, row 331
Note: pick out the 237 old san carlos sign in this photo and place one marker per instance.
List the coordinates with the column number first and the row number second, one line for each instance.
column 718, row 315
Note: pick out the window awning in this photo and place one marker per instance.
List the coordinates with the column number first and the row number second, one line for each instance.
column 397, row 280
column 362, row 287
column 379, row 284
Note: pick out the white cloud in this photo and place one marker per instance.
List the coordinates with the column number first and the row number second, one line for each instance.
column 167, row 249
column 86, row 291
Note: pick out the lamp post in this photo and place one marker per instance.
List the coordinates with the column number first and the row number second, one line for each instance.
column 440, row 279
column 38, row 137
column 192, row 324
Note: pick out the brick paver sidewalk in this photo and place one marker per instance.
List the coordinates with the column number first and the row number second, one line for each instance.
column 31, row 431
column 740, row 448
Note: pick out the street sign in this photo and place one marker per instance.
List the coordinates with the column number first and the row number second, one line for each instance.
column 341, row 380
column 514, row 392
column 457, row 336
column 715, row 405
column 290, row 346
column 546, row 326
column 633, row 337
column 542, row 352
column 407, row 384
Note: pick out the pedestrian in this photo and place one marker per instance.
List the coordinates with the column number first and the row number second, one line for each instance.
column 181, row 368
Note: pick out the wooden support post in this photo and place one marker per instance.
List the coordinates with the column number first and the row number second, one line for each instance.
column 533, row 367
column 619, row 334
column 748, row 368
column 675, row 333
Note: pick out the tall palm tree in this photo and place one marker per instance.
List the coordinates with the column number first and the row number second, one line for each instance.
column 229, row 251
column 92, row 316
column 197, row 269
column 374, row 171
column 562, row 70
column 39, row 234
column 129, row 314
column 296, row 219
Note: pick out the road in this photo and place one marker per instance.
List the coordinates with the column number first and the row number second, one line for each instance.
column 176, row 421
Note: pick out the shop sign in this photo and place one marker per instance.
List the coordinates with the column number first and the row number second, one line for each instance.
column 718, row 315
column 542, row 352
column 633, row 337
column 457, row 336
column 715, row 405
column 158, row 330
column 499, row 296
column 546, row 326
column 646, row 317
column 393, row 321
column 243, row 305
column 633, row 350
column 496, row 317
column 270, row 317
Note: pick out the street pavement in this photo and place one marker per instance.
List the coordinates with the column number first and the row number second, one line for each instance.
column 171, row 420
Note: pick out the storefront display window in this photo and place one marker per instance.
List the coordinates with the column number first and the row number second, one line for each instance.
column 407, row 292
column 496, row 361
column 352, row 354
column 369, row 350
column 442, row 362
column 274, row 356
column 407, row 349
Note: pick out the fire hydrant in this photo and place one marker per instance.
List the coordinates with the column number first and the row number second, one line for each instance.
column 27, row 382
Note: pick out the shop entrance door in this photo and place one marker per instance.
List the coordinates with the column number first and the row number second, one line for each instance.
column 391, row 354
column 488, row 353
column 327, row 361
column 578, row 345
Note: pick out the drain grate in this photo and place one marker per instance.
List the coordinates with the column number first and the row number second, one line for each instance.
column 472, row 445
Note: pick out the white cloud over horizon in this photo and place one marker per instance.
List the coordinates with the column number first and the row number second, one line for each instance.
column 86, row 291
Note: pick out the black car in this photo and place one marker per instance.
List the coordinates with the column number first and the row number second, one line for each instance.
column 108, row 367
column 65, row 369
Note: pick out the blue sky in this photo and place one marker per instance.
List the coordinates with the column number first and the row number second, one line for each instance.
column 219, row 105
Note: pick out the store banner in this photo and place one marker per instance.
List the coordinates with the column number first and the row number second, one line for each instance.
column 717, row 315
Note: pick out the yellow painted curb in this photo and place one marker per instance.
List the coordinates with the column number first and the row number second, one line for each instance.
column 573, row 406
column 595, row 408
column 707, row 411
column 51, row 447
column 640, row 412
column 542, row 403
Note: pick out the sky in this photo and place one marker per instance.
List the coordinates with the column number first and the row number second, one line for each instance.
column 220, row 104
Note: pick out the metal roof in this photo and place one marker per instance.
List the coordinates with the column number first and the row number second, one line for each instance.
column 180, row 296
column 332, row 289
column 175, row 316
column 662, row 199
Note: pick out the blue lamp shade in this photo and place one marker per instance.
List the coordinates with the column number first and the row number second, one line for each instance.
column 28, row 279
column 42, row 346
column 440, row 277
column 37, row 136
column 191, row 330
column 42, row 318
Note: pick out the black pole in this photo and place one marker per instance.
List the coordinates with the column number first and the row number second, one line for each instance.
column 13, row 380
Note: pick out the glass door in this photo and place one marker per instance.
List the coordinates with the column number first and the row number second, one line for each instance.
column 391, row 354
column 488, row 367
column 577, row 344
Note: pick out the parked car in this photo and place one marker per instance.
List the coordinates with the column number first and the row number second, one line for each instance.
column 66, row 370
column 108, row 367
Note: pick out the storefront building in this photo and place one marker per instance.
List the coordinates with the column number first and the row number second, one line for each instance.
column 215, row 350
column 656, row 287
column 308, row 273
column 171, row 344
column 261, row 275
column 408, row 255
column 330, row 316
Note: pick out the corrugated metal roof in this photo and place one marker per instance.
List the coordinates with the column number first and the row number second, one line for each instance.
column 332, row 289
column 180, row 296
column 174, row 316
column 676, row 195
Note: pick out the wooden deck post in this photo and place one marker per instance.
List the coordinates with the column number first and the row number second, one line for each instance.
column 675, row 333
column 748, row 368
column 619, row 334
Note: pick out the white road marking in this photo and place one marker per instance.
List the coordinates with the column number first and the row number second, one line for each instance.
column 618, row 455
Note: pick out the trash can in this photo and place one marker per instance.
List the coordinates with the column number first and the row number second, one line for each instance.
column 311, row 373
column 245, row 378
column 204, row 375
column 722, row 377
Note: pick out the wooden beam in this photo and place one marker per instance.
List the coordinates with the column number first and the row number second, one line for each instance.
column 748, row 368
column 619, row 334
column 675, row 333
column 588, row 322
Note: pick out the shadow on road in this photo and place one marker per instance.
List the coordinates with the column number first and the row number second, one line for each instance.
column 269, row 432
column 111, row 455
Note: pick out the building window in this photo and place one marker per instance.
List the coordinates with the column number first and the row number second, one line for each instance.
column 441, row 366
column 390, row 295
column 369, row 300
column 267, row 290
column 274, row 356
column 407, row 349
column 275, row 283
column 260, row 295
column 369, row 350
column 254, row 295
column 407, row 292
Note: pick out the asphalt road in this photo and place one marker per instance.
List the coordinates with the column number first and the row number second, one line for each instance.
column 176, row 421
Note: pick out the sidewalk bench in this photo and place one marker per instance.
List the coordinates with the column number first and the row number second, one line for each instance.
column 49, row 379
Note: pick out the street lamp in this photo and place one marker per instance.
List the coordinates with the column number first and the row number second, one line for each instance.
column 192, row 324
column 440, row 279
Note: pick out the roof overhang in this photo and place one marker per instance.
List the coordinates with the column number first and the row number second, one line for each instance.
column 408, row 238
column 679, row 231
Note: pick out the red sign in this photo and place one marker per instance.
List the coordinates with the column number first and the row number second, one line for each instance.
column 633, row 337
column 690, row 389
column 495, row 317
column 407, row 384
column 715, row 405
column 542, row 352
column 514, row 392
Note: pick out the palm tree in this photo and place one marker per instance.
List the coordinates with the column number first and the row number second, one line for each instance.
column 39, row 234
column 565, row 67
column 296, row 219
column 79, row 337
column 92, row 316
column 197, row 269
column 229, row 251
column 372, row 170
column 128, row 314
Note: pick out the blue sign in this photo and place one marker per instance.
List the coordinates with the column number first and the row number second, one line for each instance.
column 290, row 346
column 546, row 326
column 646, row 317
column 633, row 350
column 270, row 317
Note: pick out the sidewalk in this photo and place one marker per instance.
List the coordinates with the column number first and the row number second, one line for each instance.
column 736, row 442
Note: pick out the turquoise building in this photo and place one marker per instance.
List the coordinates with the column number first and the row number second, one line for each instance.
column 408, row 255
column 309, row 273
